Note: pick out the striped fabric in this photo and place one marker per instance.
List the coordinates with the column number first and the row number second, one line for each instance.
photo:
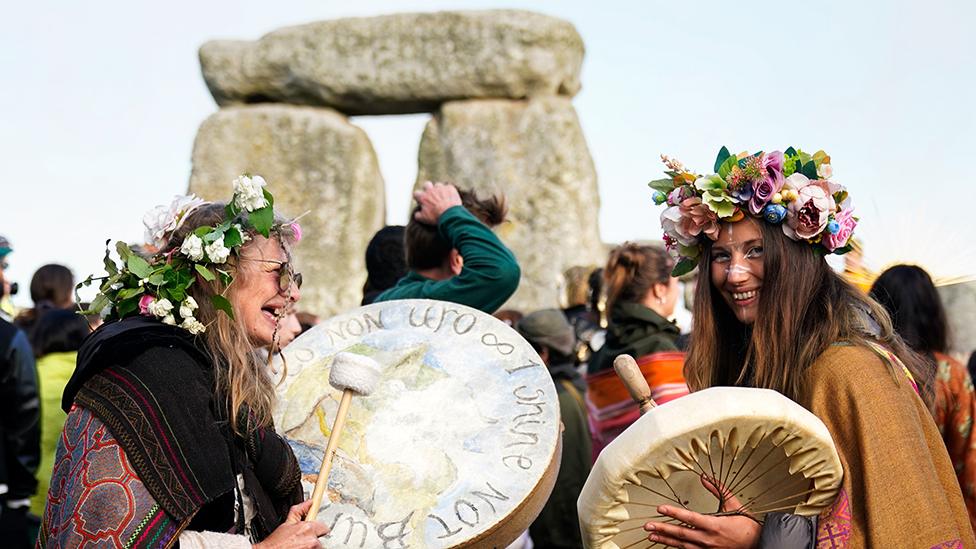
column 96, row 498
column 609, row 406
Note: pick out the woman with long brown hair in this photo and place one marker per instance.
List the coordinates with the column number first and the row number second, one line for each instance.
column 169, row 437
column 909, row 295
column 641, row 295
column 770, row 313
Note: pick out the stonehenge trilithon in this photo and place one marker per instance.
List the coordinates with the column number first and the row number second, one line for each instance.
column 534, row 152
column 316, row 161
column 399, row 63
column 500, row 84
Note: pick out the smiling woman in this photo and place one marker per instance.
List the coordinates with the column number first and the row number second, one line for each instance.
column 770, row 313
column 172, row 393
column 269, row 287
column 737, row 268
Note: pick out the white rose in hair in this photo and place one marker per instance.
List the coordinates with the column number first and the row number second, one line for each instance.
column 161, row 221
column 186, row 309
column 244, row 236
column 249, row 193
column 192, row 247
column 168, row 319
column 192, row 325
column 217, row 252
column 160, row 308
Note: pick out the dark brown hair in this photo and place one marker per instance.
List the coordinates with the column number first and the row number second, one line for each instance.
column 916, row 310
column 633, row 269
column 804, row 308
column 385, row 262
column 424, row 247
column 54, row 283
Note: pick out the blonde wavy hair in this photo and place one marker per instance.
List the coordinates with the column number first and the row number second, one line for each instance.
column 242, row 377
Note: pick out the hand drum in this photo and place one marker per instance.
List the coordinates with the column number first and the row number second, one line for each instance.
column 456, row 446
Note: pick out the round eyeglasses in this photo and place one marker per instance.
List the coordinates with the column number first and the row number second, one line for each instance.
column 286, row 275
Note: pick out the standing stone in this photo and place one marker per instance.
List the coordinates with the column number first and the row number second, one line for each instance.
column 401, row 63
column 314, row 160
column 960, row 304
column 534, row 152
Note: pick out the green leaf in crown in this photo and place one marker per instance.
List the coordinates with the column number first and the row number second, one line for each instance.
column 158, row 285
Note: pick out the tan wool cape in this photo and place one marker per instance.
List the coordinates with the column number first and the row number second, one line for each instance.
column 899, row 488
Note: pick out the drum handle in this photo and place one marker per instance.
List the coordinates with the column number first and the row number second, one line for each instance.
column 323, row 480
column 629, row 372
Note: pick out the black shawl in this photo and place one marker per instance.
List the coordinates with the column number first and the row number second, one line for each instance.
column 152, row 385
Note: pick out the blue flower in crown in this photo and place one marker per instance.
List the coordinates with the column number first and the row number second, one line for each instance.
column 774, row 213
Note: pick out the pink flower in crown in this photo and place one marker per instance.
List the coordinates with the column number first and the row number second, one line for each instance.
column 296, row 231
column 847, row 224
column 679, row 194
column 807, row 216
column 670, row 220
column 773, row 164
column 671, row 246
column 764, row 188
column 696, row 219
column 144, row 303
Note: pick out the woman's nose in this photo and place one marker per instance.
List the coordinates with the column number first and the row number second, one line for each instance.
column 294, row 293
column 738, row 271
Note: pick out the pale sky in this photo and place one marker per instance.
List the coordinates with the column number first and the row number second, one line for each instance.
column 101, row 102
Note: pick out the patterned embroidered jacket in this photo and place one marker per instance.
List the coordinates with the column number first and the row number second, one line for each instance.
column 146, row 452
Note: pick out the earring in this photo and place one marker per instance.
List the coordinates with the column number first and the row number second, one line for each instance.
column 660, row 300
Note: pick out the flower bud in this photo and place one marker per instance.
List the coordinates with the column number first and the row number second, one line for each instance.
column 774, row 213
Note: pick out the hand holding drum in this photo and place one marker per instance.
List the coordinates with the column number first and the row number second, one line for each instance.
column 629, row 372
column 351, row 373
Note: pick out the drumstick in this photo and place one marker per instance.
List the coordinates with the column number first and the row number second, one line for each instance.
column 351, row 373
column 629, row 372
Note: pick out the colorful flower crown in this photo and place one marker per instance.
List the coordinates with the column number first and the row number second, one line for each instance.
column 791, row 189
column 158, row 285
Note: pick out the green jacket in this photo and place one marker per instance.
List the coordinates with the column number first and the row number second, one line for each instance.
column 490, row 274
column 557, row 526
column 53, row 372
column 635, row 330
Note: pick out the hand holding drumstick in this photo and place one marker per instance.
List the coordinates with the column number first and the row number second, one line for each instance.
column 351, row 373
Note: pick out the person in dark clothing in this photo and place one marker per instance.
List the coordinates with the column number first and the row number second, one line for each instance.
column 20, row 434
column 386, row 261
column 641, row 294
column 51, row 288
column 557, row 526
column 971, row 365
column 584, row 318
column 452, row 253
column 7, row 288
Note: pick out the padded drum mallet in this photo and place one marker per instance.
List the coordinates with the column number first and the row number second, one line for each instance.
column 351, row 373
column 629, row 372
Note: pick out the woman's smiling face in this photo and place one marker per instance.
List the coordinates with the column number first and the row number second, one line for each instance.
column 259, row 299
column 736, row 264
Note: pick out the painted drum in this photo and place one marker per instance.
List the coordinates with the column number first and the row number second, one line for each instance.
column 769, row 451
column 458, row 445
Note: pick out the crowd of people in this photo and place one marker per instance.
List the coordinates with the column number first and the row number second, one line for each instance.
column 194, row 316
